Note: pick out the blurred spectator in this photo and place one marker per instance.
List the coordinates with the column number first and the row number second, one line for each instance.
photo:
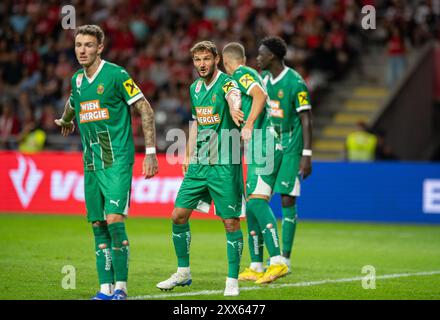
column 383, row 150
column 32, row 138
column 152, row 40
column 9, row 126
column 361, row 144
column 396, row 56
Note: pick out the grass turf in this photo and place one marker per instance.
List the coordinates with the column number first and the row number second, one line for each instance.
column 36, row 247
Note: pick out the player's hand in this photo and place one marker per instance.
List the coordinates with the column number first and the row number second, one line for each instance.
column 66, row 127
column 246, row 132
column 185, row 165
column 305, row 167
column 150, row 166
column 237, row 116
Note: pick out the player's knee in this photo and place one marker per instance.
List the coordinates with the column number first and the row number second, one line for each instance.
column 113, row 218
column 99, row 223
column 179, row 216
column 232, row 225
column 253, row 233
column 288, row 201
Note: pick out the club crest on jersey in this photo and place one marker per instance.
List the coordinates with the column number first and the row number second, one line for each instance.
column 92, row 111
column 100, row 89
column 214, row 97
column 198, row 86
column 79, row 79
column 280, row 94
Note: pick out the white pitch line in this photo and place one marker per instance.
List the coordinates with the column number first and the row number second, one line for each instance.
column 284, row 285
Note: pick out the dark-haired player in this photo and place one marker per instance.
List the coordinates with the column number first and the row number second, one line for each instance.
column 291, row 119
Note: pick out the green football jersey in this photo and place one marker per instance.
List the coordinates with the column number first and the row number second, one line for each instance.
column 218, row 138
column 288, row 96
column 102, row 110
column 246, row 79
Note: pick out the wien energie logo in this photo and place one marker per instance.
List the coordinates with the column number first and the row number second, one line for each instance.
column 205, row 116
column 91, row 111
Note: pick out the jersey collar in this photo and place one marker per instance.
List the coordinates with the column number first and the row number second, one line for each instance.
column 90, row 80
column 213, row 81
column 280, row 76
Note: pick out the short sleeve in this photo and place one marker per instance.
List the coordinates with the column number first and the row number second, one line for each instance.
column 302, row 98
column 246, row 82
column 127, row 87
column 230, row 86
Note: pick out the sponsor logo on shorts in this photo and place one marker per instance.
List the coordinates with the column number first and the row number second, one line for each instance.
column 116, row 203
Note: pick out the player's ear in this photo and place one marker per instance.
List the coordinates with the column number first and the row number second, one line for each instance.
column 100, row 48
column 217, row 59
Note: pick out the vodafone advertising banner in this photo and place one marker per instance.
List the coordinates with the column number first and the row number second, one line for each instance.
column 53, row 183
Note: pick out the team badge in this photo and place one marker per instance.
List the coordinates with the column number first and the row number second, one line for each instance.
column 214, row 97
column 303, row 98
column 100, row 89
column 199, row 86
column 280, row 94
column 131, row 87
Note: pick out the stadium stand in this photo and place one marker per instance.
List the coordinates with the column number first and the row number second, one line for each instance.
column 152, row 40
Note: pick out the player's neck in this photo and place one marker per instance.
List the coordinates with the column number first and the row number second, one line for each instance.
column 214, row 74
column 276, row 69
column 90, row 70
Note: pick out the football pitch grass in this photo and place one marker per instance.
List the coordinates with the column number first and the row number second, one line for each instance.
column 327, row 260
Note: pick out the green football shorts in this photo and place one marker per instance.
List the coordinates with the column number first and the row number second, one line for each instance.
column 278, row 174
column 204, row 183
column 107, row 191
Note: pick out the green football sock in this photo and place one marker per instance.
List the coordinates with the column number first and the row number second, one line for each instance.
column 289, row 228
column 255, row 237
column 182, row 241
column 235, row 249
column 120, row 250
column 268, row 224
column 103, row 255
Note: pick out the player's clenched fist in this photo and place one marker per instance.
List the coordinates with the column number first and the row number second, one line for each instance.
column 66, row 127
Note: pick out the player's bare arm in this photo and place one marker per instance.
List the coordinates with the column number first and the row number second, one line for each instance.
column 192, row 138
column 234, row 102
column 150, row 166
column 305, row 166
column 66, row 121
column 259, row 98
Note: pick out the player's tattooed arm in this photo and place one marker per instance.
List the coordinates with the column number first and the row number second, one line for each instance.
column 306, row 161
column 65, row 122
column 233, row 98
column 150, row 166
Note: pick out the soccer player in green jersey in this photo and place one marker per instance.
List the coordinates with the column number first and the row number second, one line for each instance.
column 101, row 96
column 262, row 224
column 212, row 167
column 291, row 119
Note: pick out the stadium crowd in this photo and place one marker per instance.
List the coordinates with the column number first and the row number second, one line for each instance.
column 151, row 39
